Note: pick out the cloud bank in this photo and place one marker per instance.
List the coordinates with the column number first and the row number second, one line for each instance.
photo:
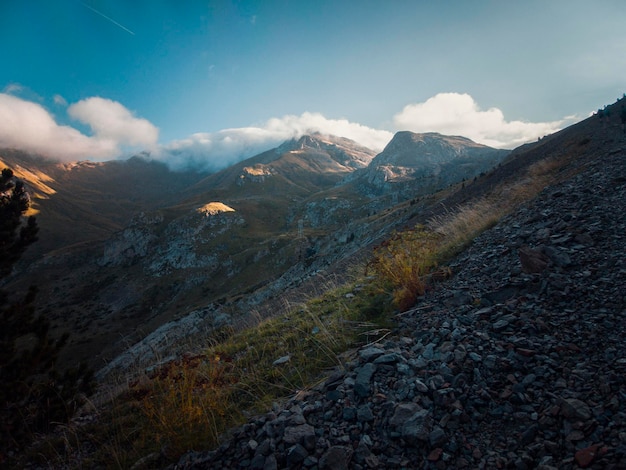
column 215, row 150
column 116, row 131
column 459, row 114
column 29, row 126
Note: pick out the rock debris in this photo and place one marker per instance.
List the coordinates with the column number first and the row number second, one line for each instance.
column 518, row 361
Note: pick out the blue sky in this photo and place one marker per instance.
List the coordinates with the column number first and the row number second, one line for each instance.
column 216, row 81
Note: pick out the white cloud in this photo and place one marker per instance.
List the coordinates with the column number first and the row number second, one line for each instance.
column 112, row 121
column 59, row 100
column 446, row 113
column 29, row 126
column 459, row 114
column 12, row 88
column 228, row 146
column 211, row 151
column 116, row 130
column 314, row 122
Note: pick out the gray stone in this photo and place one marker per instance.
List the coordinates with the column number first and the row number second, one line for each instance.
column 390, row 358
column 363, row 379
column 349, row 413
column 533, row 261
column 403, row 412
column 575, row 409
column 296, row 454
column 557, row 256
column 282, row 360
column 296, row 434
column 364, row 413
column 420, row 386
column 500, row 325
column 437, row 437
column 371, row 353
column 336, row 458
column 417, row 428
column 270, row 463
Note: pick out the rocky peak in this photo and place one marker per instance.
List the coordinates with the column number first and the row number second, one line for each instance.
column 342, row 150
column 412, row 149
column 427, row 162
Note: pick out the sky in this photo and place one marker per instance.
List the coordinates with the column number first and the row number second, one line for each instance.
column 208, row 83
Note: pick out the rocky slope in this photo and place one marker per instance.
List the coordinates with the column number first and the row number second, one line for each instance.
column 518, row 361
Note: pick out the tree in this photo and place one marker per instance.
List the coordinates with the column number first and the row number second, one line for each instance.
column 33, row 393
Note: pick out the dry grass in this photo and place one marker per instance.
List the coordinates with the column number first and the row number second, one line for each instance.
column 191, row 402
column 403, row 263
column 458, row 228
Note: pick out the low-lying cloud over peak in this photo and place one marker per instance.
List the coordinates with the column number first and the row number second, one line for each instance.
column 219, row 149
column 117, row 132
column 459, row 114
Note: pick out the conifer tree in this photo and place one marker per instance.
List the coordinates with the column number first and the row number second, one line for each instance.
column 33, row 394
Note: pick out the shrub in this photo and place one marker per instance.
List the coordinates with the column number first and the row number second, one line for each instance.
column 402, row 263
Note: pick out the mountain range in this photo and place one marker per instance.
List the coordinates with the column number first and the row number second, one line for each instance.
column 134, row 255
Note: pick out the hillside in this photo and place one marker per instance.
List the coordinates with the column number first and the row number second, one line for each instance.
column 132, row 249
column 85, row 202
column 514, row 361
column 517, row 362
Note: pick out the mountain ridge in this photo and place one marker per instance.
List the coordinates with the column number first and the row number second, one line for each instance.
column 295, row 213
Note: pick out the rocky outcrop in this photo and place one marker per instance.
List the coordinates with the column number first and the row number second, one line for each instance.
column 516, row 362
column 177, row 246
column 254, row 174
column 167, row 339
column 132, row 243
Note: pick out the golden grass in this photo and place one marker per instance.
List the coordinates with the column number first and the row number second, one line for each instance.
column 403, row 261
column 191, row 402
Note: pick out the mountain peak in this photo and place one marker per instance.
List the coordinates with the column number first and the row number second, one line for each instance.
column 431, row 138
column 433, row 159
column 408, row 148
column 342, row 150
